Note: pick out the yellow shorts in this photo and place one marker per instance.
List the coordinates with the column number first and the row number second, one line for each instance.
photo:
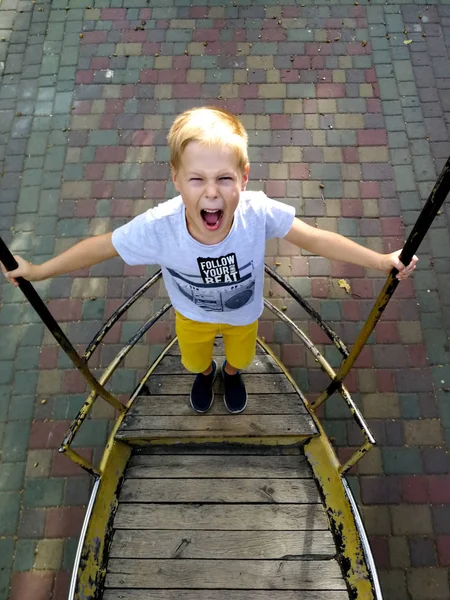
column 196, row 342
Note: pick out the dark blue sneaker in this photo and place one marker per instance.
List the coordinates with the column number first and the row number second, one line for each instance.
column 202, row 394
column 235, row 396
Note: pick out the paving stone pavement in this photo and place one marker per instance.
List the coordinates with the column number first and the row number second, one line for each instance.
column 331, row 95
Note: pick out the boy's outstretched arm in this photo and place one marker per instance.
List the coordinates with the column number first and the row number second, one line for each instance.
column 337, row 247
column 87, row 253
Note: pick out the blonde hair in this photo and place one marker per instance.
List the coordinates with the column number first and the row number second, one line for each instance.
column 210, row 126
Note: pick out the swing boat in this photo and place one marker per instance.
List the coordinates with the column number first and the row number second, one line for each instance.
column 224, row 507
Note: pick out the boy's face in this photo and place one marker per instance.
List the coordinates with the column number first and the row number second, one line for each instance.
column 209, row 181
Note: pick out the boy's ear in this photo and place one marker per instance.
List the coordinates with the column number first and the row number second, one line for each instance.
column 245, row 177
column 174, row 178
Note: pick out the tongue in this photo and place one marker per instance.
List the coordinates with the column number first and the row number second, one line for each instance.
column 211, row 218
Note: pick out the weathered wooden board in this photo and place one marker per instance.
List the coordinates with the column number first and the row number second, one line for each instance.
column 152, row 594
column 223, row 425
column 281, row 545
column 267, row 491
column 257, row 404
column 235, row 466
column 268, row 383
column 221, row 448
column 224, row 574
column 248, row 517
column 261, row 364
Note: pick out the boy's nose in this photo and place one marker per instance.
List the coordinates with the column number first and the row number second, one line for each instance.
column 211, row 191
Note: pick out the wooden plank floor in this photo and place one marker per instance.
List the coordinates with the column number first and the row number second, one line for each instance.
column 221, row 522
column 274, row 408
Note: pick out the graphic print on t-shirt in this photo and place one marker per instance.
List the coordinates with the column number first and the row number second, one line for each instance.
column 221, row 285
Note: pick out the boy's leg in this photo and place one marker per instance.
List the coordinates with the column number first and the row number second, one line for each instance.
column 240, row 348
column 196, row 341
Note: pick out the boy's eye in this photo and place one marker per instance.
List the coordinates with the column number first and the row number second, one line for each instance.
column 195, row 179
column 225, row 178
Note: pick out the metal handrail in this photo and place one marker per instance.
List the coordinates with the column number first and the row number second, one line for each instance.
column 98, row 337
column 34, row 299
column 309, row 309
column 326, row 367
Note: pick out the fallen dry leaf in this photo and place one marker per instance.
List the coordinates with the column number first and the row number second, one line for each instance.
column 345, row 284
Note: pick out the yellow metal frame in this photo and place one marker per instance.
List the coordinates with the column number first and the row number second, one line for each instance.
column 328, row 470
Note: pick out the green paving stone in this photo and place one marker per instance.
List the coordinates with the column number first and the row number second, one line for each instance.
column 102, row 208
column 202, row 62
column 162, row 154
column 25, row 382
column 93, row 309
column 155, row 351
column 398, row 139
column 45, row 93
column 168, row 12
column 73, row 172
column 409, row 88
column 31, row 177
column 9, row 514
column 58, row 138
column 16, row 441
column 348, row 227
column 37, row 143
column 140, row 62
column 10, row 313
column 400, row 156
column 73, row 227
column 49, row 202
column 106, row 49
column 388, row 89
column 351, row 105
column 124, row 381
column 67, row 407
column 273, row 106
column 41, row 124
column 444, row 407
column 362, row 62
column 300, row 35
column 11, row 476
column 34, row 162
column 440, row 243
column 402, row 461
column 92, row 433
column 54, row 160
column 60, row 122
column 341, row 138
column 6, row 371
column 330, row 310
column 28, row 357
column 66, row 73
column 43, row 492
column 337, row 432
column 336, row 408
column 436, row 344
column 49, row 65
column 409, row 406
column 103, row 138
column 32, row 335
column 420, row 148
column 24, row 555
column 300, row 377
column 404, row 178
column 325, row 171
column 392, row 107
column 63, row 101
column 428, row 301
column 413, row 115
column 299, row 90
column 10, row 339
column 6, row 553
column 21, row 407
column 424, row 168
column 395, row 123
column 51, row 181
column 70, row 550
column 69, row 56
column 65, row 86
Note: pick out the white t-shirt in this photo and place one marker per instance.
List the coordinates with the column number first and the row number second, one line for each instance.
column 219, row 283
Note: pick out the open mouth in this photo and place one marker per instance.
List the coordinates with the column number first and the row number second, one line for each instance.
column 212, row 218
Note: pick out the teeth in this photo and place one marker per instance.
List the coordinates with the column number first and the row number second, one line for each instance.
column 211, row 210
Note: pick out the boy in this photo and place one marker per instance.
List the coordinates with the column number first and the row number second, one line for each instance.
column 210, row 242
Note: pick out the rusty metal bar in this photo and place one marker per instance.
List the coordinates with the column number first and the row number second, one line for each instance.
column 310, row 310
column 36, row 302
column 356, row 413
column 80, row 461
column 432, row 206
column 93, row 344
column 355, row 457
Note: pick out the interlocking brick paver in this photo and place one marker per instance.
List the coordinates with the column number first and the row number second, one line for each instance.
column 88, row 152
